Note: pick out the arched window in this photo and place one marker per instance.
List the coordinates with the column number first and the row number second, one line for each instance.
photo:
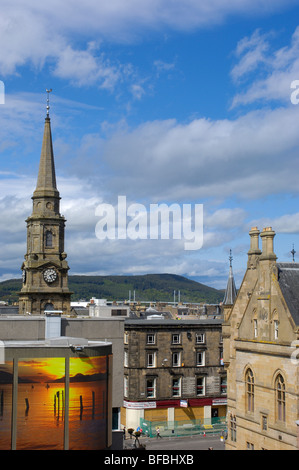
column 249, row 379
column 49, row 239
column 280, row 398
column 233, row 428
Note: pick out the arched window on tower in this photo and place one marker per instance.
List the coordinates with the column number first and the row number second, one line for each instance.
column 49, row 239
column 249, row 379
column 280, row 398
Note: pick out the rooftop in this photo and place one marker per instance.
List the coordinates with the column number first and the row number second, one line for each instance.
column 288, row 278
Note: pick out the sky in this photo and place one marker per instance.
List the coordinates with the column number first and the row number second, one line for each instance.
column 185, row 102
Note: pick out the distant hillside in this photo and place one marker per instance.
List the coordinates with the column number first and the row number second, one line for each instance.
column 155, row 287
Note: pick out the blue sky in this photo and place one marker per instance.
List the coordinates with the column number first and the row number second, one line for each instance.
column 161, row 101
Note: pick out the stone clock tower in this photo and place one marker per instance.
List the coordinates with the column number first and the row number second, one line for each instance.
column 45, row 269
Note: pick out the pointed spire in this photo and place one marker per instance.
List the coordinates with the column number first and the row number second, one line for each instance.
column 46, row 180
column 231, row 291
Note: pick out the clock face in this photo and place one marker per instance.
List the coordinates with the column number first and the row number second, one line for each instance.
column 50, row 275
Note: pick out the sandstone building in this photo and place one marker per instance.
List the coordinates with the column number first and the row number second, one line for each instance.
column 260, row 335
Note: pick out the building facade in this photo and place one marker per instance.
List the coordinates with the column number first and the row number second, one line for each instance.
column 45, row 269
column 260, row 335
column 173, row 371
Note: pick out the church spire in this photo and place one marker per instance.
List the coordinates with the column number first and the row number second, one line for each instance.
column 231, row 291
column 46, row 180
column 45, row 269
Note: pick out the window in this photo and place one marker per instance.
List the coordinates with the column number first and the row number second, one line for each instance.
column 126, row 386
column 150, row 387
column 115, row 419
column 255, row 328
column 275, row 329
column 119, row 312
column 176, row 339
column 221, row 357
column 126, row 337
column 280, row 398
column 223, row 385
column 49, row 239
column 249, row 446
column 150, row 339
column 176, row 387
column 200, row 358
column 151, row 359
column 233, row 428
column 126, row 359
column 264, row 423
column 200, row 338
column 200, row 386
column 249, row 390
column 176, row 359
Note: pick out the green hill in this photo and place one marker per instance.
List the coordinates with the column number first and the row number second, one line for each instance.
column 155, row 287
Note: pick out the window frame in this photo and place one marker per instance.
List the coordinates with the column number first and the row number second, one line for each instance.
column 175, row 341
column 250, row 389
column 198, row 336
column 280, row 398
column 151, row 335
column 150, row 364
column 49, row 239
column 202, row 386
column 153, row 387
column 276, row 325
column 177, row 387
column 201, row 363
column 178, row 362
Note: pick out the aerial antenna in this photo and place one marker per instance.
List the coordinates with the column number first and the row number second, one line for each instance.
column 293, row 252
column 48, row 100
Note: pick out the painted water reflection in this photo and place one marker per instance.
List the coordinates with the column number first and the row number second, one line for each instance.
column 41, row 404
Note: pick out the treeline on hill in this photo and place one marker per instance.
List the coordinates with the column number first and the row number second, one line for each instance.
column 149, row 287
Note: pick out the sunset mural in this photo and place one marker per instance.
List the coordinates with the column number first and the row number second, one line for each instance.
column 41, row 404
column 53, row 369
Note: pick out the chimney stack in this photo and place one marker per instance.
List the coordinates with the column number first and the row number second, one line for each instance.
column 267, row 237
column 254, row 241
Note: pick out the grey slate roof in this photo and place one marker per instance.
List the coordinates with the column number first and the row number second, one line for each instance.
column 288, row 278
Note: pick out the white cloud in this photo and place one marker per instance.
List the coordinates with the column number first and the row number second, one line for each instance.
column 83, row 67
column 251, row 156
column 287, row 223
column 274, row 69
column 226, row 218
column 33, row 32
column 252, row 52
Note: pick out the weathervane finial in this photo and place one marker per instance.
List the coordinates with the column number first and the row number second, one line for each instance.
column 293, row 252
column 230, row 258
column 48, row 100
